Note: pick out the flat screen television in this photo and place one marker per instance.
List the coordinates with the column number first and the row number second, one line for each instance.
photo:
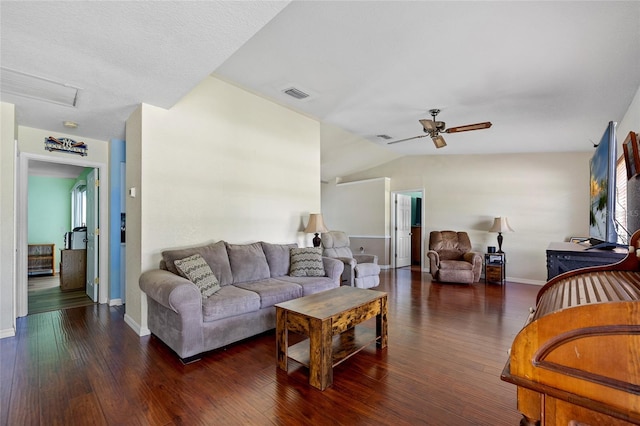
column 602, row 182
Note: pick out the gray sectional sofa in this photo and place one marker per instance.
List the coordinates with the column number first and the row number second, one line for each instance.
column 252, row 278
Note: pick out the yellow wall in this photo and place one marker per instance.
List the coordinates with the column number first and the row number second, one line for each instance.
column 8, row 134
column 222, row 164
column 545, row 197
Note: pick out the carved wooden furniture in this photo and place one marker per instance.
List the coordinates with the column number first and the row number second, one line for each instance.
column 73, row 269
column 40, row 259
column 577, row 359
column 330, row 319
column 565, row 256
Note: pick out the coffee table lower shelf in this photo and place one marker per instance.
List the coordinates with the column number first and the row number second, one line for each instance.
column 343, row 345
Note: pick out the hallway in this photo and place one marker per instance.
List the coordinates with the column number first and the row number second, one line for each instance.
column 45, row 295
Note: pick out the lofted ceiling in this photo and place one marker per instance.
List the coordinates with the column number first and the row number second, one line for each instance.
column 548, row 75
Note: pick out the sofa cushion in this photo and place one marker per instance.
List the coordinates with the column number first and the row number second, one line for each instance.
column 450, row 255
column 455, row 264
column 277, row 257
column 247, row 262
column 229, row 301
column 306, row 262
column 311, row 285
column 214, row 254
column 367, row 269
column 195, row 269
column 272, row 291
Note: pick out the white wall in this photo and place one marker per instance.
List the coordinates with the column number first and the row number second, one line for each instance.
column 362, row 210
column 222, row 164
column 135, row 308
column 630, row 122
column 31, row 147
column 370, row 197
column 12, row 257
column 545, row 197
column 8, row 134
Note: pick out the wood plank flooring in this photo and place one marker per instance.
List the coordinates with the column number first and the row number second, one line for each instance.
column 44, row 295
column 447, row 346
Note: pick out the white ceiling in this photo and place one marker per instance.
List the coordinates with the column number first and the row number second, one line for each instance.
column 548, row 75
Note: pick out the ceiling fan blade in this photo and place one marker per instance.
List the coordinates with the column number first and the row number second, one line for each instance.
column 407, row 139
column 438, row 141
column 429, row 125
column 477, row 126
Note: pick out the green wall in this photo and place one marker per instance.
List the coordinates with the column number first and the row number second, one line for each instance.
column 49, row 211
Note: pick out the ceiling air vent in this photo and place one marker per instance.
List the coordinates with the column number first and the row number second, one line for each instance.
column 40, row 88
column 386, row 137
column 296, row 93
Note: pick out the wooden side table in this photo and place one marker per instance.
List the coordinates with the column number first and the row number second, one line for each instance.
column 494, row 267
column 330, row 321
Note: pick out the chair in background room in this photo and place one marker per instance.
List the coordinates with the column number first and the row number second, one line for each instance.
column 451, row 259
column 360, row 270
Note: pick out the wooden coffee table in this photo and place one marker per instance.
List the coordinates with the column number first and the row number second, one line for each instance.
column 330, row 321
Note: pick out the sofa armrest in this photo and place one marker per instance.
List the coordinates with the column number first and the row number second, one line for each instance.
column 475, row 259
column 347, row 262
column 333, row 268
column 170, row 290
column 434, row 261
column 366, row 258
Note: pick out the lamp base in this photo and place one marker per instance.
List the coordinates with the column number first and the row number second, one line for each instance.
column 316, row 240
column 500, row 242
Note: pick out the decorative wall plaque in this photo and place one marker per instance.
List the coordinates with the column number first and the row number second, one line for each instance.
column 66, row 145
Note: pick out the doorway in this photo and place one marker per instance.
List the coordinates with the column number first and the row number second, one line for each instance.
column 58, row 204
column 408, row 236
column 22, row 173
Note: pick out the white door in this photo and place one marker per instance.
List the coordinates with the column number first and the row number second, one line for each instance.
column 403, row 230
column 92, row 235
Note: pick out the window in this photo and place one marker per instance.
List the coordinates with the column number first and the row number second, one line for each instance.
column 79, row 204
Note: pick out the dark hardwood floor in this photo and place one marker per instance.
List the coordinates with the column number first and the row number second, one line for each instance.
column 44, row 295
column 447, row 346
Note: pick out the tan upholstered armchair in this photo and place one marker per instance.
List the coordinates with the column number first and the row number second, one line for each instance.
column 360, row 270
column 451, row 259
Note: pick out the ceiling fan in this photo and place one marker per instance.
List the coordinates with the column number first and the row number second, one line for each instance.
column 433, row 129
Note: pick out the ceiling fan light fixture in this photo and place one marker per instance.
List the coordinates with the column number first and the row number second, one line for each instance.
column 429, row 125
column 439, row 141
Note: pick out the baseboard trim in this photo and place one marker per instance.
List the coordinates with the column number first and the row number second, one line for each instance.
column 140, row 331
column 7, row 332
column 525, row 281
column 115, row 302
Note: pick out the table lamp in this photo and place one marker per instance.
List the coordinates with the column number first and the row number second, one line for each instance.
column 315, row 226
column 500, row 225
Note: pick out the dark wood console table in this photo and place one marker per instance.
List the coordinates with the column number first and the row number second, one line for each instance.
column 563, row 257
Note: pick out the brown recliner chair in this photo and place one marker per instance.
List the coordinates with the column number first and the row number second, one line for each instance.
column 451, row 259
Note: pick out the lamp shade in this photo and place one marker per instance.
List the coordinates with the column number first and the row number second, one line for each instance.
column 316, row 224
column 501, row 224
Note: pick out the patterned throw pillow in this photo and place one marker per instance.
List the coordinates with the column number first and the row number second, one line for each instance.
column 195, row 269
column 306, row 262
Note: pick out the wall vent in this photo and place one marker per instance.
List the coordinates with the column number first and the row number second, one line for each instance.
column 296, row 93
column 40, row 88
